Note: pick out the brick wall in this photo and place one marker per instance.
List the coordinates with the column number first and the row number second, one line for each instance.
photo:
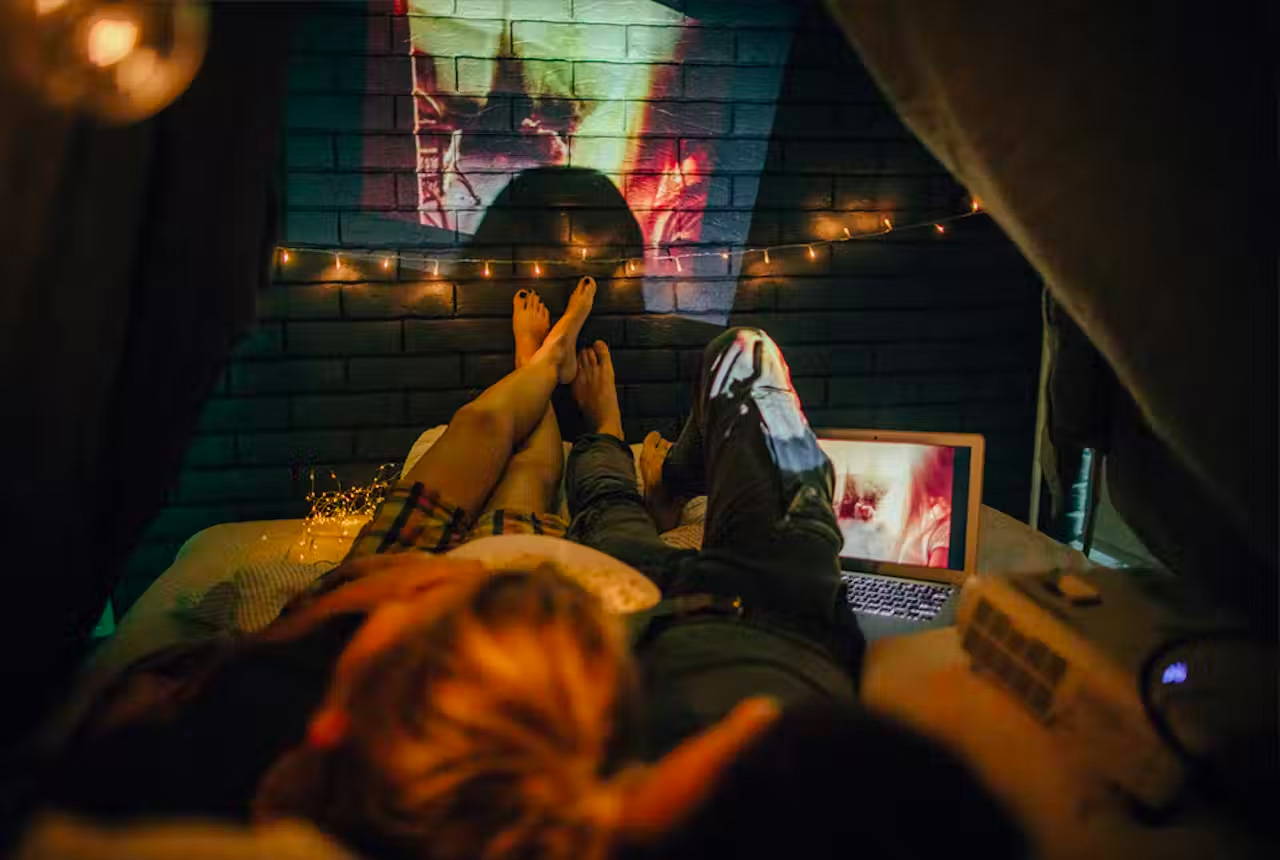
column 914, row 330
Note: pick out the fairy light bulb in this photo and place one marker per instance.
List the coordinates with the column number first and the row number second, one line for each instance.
column 813, row 255
column 337, row 260
column 284, row 255
column 386, row 264
column 724, row 255
column 537, row 269
column 435, row 268
column 886, row 224
column 847, row 234
column 486, row 268
column 940, row 229
column 766, row 255
column 975, row 205
column 584, row 253
column 631, row 266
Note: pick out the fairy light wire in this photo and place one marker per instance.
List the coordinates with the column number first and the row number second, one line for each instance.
column 421, row 262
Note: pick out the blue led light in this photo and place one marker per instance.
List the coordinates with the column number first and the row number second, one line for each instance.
column 1174, row 673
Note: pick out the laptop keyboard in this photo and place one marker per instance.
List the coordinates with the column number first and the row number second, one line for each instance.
column 896, row 598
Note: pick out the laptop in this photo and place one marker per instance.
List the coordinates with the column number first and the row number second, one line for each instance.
column 907, row 504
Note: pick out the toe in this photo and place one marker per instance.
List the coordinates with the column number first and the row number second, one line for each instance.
column 601, row 351
column 520, row 299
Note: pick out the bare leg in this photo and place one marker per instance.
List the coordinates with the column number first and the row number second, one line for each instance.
column 532, row 477
column 664, row 505
column 465, row 464
column 596, row 390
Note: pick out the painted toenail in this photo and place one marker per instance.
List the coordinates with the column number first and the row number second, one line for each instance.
column 522, row 294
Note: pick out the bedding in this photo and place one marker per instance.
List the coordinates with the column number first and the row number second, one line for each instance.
column 233, row 578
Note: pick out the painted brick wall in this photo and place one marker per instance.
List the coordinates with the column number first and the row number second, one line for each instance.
column 345, row 368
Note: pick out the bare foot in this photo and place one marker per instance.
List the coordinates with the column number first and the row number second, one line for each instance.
column 559, row 342
column 530, row 321
column 663, row 506
column 596, row 391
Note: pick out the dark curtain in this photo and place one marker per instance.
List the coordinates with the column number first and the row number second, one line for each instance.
column 1129, row 150
column 131, row 258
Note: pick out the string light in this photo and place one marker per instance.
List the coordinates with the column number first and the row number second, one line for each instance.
column 388, row 262
column 346, row 508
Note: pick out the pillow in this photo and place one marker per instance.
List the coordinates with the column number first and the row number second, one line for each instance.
column 687, row 535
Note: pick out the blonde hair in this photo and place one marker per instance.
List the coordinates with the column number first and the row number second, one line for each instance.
column 482, row 733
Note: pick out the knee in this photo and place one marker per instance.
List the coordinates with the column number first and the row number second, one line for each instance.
column 744, row 334
column 484, row 422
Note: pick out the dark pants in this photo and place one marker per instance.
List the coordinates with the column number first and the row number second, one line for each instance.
column 771, row 542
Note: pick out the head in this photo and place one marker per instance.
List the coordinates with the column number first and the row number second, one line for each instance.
column 480, row 723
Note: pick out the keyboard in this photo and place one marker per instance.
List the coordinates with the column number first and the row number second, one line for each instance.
column 896, row 598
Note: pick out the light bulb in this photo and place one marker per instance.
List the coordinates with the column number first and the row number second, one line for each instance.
column 386, row 263
column 975, row 205
column 886, row 223
column 813, row 255
column 766, row 255
column 110, row 38
column 486, row 268
column 120, row 61
column 284, row 255
column 435, row 268
column 847, row 234
column 939, row 228
column 537, row 269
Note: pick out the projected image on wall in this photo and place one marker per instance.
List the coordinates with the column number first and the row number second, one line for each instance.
column 613, row 105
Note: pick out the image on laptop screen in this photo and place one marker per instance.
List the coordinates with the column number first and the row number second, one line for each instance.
column 901, row 502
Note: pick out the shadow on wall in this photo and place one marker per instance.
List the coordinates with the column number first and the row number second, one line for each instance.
column 559, row 213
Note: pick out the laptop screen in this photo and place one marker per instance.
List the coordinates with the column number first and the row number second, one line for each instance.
column 901, row 502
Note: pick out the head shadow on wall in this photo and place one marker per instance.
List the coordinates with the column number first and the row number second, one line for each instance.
column 544, row 217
